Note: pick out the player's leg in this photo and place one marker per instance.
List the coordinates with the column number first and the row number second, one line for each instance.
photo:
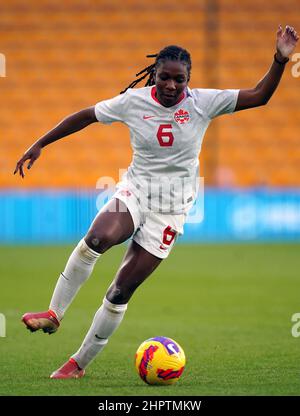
column 112, row 226
column 151, row 243
column 136, row 266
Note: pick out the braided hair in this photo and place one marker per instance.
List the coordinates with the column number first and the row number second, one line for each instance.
column 172, row 53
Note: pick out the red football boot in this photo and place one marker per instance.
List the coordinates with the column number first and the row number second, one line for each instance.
column 47, row 321
column 68, row 370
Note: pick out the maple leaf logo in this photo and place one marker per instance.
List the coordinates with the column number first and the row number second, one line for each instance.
column 181, row 116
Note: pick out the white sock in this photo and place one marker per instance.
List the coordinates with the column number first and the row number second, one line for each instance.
column 79, row 267
column 106, row 321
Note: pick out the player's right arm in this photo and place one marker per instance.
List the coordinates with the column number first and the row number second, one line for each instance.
column 69, row 125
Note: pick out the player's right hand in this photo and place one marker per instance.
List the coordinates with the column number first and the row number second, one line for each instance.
column 32, row 154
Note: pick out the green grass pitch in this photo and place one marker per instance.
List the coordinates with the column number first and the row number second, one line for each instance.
column 229, row 306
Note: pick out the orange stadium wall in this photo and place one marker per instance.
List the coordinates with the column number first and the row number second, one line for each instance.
column 64, row 56
column 59, row 57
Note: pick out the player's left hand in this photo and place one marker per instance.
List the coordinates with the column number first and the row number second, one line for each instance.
column 286, row 41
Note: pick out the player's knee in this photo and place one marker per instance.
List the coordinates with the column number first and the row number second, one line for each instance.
column 99, row 241
column 118, row 295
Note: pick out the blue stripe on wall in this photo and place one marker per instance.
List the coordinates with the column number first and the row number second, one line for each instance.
column 248, row 215
column 54, row 216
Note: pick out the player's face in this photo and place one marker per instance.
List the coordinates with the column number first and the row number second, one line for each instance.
column 171, row 79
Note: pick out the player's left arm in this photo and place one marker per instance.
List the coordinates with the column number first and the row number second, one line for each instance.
column 260, row 95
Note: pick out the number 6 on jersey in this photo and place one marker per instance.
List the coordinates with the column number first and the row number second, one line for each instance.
column 165, row 138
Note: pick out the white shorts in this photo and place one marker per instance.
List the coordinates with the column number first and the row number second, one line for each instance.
column 154, row 231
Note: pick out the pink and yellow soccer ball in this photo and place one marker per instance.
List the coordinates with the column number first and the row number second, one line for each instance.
column 160, row 361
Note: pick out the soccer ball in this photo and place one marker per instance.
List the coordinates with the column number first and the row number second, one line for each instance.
column 160, row 360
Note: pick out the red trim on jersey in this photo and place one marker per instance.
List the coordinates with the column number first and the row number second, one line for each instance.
column 153, row 92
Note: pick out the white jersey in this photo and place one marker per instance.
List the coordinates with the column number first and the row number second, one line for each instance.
column 166, row 141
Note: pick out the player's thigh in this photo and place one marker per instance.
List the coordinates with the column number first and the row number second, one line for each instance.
column 136, row 266
column 160, row 232
column 111, row 226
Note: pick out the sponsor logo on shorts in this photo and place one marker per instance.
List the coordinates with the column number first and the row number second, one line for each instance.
column 125, row 192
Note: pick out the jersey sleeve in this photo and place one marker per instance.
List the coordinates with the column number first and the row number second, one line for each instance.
column 111, row 110
column 216, row 102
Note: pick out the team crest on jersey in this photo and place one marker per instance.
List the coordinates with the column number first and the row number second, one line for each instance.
column 181, row 116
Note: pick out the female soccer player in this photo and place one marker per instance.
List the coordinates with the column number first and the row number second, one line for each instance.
column 167, row 122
